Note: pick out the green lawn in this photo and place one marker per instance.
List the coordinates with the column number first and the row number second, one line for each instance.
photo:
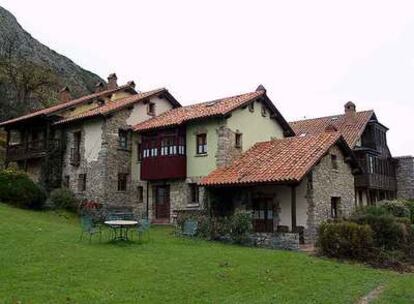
column 42, row 261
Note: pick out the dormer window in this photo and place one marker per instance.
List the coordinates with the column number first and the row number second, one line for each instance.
column 151, row 108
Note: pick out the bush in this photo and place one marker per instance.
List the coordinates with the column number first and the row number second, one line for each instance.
column 240, row 225
column 389, row 234
column 63, row 198
column 345, row 240
column 410, row 207
column 395, row 208
column 16, row 188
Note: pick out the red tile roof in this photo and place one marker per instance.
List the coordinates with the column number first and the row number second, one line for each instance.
column 65, row 105
column 350, row 128
column 285, row 160
column 181, row 115
column 111, row 106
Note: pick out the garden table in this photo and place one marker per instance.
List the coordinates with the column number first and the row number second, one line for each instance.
column 121, row 228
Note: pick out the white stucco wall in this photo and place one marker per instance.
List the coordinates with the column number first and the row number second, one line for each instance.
column 254, row 126
column 93, row 139
column 139, row 112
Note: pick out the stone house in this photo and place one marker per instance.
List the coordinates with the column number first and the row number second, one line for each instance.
column 177, row 149
column 383, row 177
column 85, row 144
column 290, row 184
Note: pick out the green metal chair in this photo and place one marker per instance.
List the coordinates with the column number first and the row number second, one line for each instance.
column 190, row 228
column 143, row 227
column 90, row 228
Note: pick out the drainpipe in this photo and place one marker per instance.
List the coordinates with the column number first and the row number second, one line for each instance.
column 147, row 200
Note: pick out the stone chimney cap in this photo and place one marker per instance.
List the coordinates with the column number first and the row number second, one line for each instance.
column 131, row 83
column 261, row 88
column 350, row 107
column 112, row 76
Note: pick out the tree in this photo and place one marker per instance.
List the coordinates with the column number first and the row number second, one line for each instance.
column 24, row 85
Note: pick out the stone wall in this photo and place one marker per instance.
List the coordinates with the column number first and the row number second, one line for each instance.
column 286, row 241
column 102, row 171
column 326, row 184
column 226, row 147
column 405, row 177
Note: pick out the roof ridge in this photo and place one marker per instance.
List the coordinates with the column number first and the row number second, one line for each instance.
column 329, row 116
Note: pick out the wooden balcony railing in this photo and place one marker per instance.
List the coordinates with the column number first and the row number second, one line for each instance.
column 164, row 167
column 376, row 181
column 32, row 149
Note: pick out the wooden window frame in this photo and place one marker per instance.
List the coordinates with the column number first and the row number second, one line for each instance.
column 82, row 182
column 123, row 139
column 122, row 182
column 201, row 144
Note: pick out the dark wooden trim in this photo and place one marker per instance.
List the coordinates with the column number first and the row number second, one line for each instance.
column 293, row 206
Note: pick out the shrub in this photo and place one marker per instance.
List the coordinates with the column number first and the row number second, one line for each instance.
column 388, row 232
column 63, row 198
column 395, row 208
column 410, row 207
column 16, row 188
column 240, row 225
column 345, row 240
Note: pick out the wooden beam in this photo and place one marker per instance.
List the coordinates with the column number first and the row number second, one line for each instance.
column 293, row 206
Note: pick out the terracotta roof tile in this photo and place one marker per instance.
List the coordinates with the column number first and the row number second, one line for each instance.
column 351, row 128
column 65, row 105
column 181, row 115
column 285, row 160
column 111, row 106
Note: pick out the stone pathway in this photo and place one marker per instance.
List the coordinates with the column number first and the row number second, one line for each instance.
column 372, row 295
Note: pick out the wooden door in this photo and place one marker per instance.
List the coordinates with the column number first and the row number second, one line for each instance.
column 263, row 215
column 162, row 202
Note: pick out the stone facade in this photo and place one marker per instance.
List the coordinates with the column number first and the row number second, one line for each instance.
column 227, row 151
column 405, row 177
column 325, row 184
column 102, row 171
column 278, row 240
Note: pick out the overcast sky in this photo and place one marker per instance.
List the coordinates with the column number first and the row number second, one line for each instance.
column 312, row 56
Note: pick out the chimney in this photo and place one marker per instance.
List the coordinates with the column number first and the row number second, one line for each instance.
column 99, row 87
column 350, row 110
column 131, row 84
column 112, row 84
column 64, row 95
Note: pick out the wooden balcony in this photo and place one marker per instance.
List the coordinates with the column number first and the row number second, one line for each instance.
column 376, row 181
column 32, row 149
column 164, row 167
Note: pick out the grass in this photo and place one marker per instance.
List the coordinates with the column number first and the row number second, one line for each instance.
column 42, row 261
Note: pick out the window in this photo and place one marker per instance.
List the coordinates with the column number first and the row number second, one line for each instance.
column 122, row 181
column 334, row 161
column 151, row 108
column 181, row 145
column 168, row 146
column 310, row 181
column 238, row 140
column 154, row 148
column 140, row 194
column 201, row 143
column 370, row 164
column 123, row 139
column 82, row 182
column 194, row 194
column 139, row 151
column 335, row 202
column 66, row 181
column 264, row 112
column 251, row 106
